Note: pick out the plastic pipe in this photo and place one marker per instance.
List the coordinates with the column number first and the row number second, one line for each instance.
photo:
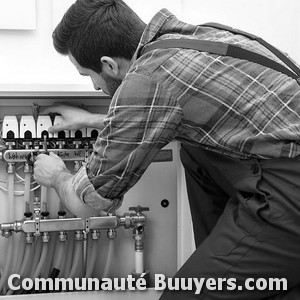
column 139, row 262
column 37, row 254
column 42, row 261
column 21, row 247
column 109, row 258
column 69, row 258
column 44, row 191
column 26, row 260
column 25, row 263
column 76, row 259
column 48, row 264
column 60, row 251
column 20, row 255
column 91, row 258
column 27, row 182
column 10, row 242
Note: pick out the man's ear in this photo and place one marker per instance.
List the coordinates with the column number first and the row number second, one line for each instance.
column 110, row 66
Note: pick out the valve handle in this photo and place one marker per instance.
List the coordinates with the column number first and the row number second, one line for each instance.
column 139, row 209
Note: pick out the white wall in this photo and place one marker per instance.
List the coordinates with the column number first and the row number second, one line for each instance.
column 29, row 61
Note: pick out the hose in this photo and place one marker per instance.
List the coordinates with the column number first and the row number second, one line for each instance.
column 42, row 261
column 91, row 259
column 26, row 260
column 44, row 192
column 25, row 264
column 109, row 258
column 60, row 251
column 69, row 258
column 76, row 259
column 10, row 242
column 27, row 187
column 20, row 244
column 37, row 255
column 48, row 264
column 139, row 262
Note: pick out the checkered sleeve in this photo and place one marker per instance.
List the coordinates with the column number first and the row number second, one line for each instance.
column 143, row 117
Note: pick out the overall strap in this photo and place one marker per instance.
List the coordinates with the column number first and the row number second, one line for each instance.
column 274, row 50
column 226, row 49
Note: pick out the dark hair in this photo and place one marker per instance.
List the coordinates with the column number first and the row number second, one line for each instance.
column 91, row 29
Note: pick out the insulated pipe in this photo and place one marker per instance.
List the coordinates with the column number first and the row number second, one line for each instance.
column 25, row 263
column 69, row 258
column 76, row 258
column 48, row 264
column 59, row 252
column 20, row 254
column 27, row 178
column 109, row 258
column 27, row 183
column 44, row 191
column 37, row 254
column 26, row 260
column 139, row 262
column 42, row 261
column 91, row 259
column 10, row 242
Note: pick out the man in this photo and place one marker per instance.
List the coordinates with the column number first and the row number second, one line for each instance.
column 239, row 126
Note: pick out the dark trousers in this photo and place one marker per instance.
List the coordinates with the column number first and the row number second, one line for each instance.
column 246, row 220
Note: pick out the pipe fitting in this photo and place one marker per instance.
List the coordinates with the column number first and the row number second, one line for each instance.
column 6, row 233
column 46, row 237
column 95, row 234
column 79, row 235
column 111, row 234
column 27, row 168
column 62, row 236
column 29, row 238
column 10, row 168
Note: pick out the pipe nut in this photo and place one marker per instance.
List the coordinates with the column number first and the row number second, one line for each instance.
column 111, row 233
column 29, row 238
column 95, row 234
column 45, row 237
column 62, row 236
column 6, row 233
column 79, row 236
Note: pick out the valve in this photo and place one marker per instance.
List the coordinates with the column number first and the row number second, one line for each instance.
column 139, row 209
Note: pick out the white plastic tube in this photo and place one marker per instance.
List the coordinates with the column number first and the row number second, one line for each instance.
column 25, row 264
column 59, row 253
column 108, row 262
column 37, row 255
column 91, row 258
column 44, row 192
column 48, row 264
column 42, row 261
column 10, row 243
column 20, row 247
column 19, row 239
column 76, row 259
column 69, row 258
column 26, row 260
column 139, row 262
column 27, row 182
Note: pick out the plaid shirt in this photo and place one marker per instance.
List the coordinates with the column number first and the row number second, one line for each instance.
column 233, row 107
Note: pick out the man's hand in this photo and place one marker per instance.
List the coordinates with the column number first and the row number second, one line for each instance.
column 51, row 171
column 74, row 118
column 48, row 168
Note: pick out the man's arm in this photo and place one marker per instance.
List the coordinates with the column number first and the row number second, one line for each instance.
column 139, row 123
column 50, row 171
column 74, row 118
